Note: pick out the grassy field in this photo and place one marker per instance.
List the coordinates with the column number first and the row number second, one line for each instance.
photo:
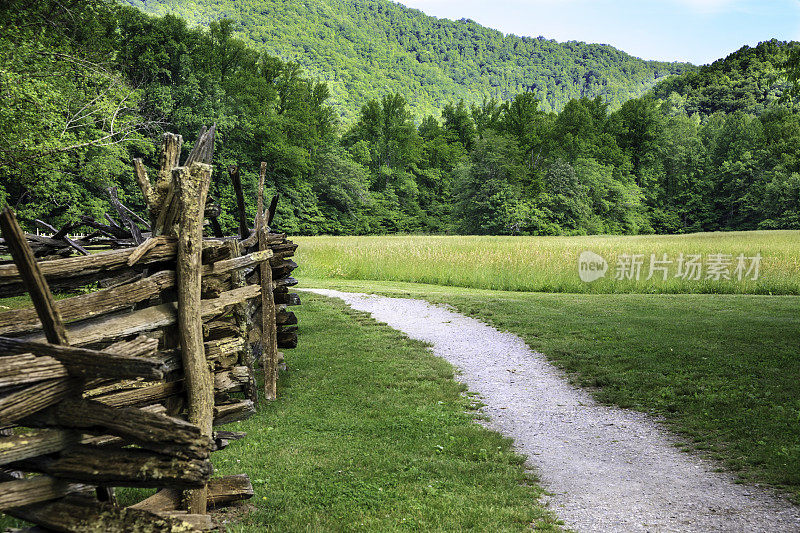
column 721, row 370
column 371, row 433
column 550, row 264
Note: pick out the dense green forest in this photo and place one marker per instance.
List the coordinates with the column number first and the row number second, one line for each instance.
column 364, row 49
column 89, row 84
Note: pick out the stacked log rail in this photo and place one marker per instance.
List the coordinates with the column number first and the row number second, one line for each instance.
column 104, row 403
column 125, row 229
column 286, row 321
column 118, row 384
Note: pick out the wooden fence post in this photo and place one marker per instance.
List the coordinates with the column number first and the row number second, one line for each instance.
column 192, row 186
column 269, row 333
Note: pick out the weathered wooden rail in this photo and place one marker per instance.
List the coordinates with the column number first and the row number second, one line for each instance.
column 125, row 385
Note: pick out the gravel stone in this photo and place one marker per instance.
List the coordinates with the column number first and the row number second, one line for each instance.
column 608, row 469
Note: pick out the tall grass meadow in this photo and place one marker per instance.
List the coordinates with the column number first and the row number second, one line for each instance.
column 550, row 264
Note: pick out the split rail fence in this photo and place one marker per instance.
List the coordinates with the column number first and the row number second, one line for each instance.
column 126, row 383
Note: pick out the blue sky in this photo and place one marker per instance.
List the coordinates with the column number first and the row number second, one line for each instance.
column 699, row 31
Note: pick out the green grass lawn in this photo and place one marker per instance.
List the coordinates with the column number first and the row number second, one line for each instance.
column 722, row 370
column 550, row 264
column 371, row 433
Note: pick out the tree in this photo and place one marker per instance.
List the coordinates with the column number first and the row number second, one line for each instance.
column 488, row 197
column 387, row 129
column 64, row 104
column 564, row 204
column 792, row 70
column 616, row 205
column 522, row 119
column 458, row 124
column 486, row 116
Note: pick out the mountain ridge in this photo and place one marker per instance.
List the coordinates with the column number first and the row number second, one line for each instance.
column 366, row 48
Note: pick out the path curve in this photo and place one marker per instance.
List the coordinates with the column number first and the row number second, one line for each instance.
column 609, row 469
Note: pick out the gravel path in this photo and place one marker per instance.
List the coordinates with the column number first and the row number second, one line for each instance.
column 609, row 469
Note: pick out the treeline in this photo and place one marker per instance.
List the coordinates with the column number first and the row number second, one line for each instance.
column 648, row 167
column 364, row 49
column 91, row 85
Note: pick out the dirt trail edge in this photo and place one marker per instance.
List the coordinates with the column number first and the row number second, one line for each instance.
column 609, row 469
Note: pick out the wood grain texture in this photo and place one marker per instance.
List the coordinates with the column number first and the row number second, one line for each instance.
column 82, row 362
column 28, row 368
column 23, row 446
column 74, row 513
column 18, row 404
column 226, row 490
column 154, row 431
column 193, row 183
column 37, row 489
column 90, row 305
column 115, row 327
column 129, row 467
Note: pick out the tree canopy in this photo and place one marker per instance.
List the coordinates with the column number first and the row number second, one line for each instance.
column 90, row 84
column 364, row 49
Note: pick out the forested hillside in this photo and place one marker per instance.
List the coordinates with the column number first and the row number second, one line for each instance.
column 748, row 80
column 713, row 150
column 88, row 84
column 364, row 49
